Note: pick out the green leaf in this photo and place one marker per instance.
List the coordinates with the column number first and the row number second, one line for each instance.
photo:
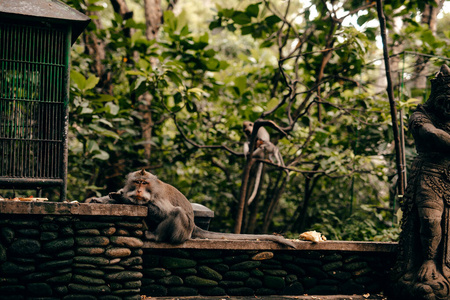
column 104, row 98
column 170, row 20
column 210, row 53
column 107, row 123
column 241, row 18
column 95, row 8
column 363, row 19
column 428, row 37
column 215, row 24
column 272, row 20
column 247, row 29
column 241, row 84
column 252, row 10
column 174, row 77
column 231, row 27
column 92, row 146
column 182, row 21
column 266, row 44
column 104, row 132
column 136, row 36
column 86, row 111
column 135, row 73
column 191, row 107
column 184, row 31
column 272, row 103
column 178, row 98
column 78, row 79
column 113, row 109
column 227, row 13
column 101, row 155
column 213, row 64
column 204, row 38
column 91, row 82
column 196, row 90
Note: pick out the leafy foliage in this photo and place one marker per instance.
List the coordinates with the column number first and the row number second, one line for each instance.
column 308, row 73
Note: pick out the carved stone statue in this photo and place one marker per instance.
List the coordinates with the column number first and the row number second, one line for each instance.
column 422, row 270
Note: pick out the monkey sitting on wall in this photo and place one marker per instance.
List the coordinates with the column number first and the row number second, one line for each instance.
column 170, row 215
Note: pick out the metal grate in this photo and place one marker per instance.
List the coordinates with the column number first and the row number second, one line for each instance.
column 33, row 104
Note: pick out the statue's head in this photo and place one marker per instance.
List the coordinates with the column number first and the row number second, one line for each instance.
column 439, row 101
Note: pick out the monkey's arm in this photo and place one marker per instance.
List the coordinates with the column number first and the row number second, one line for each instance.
column 112, row 198
column 155, row 213
column 101, row 200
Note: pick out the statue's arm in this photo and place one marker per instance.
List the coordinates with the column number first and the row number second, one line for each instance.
column 438, row 137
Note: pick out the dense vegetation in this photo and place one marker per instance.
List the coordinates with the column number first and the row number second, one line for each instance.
column 172, row 99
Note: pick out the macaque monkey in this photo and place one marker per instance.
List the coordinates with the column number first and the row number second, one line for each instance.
column 170, row 215
column 262, row 136
column 264, row 149
column 272, row 153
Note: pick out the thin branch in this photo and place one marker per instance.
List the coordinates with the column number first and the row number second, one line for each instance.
column 390, row 91
column 188, row 140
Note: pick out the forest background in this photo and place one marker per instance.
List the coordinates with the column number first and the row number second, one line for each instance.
column 166, row 86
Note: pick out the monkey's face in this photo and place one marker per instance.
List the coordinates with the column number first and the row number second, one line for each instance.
column 138, row 189
column 248, row 128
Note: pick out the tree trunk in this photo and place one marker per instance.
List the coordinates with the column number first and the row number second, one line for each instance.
column 429, row 17
column 153, row 17
column 95, row 48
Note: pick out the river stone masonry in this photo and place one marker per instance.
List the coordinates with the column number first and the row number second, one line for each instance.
column 219, row 268
column 96, row 251
column 70, row 251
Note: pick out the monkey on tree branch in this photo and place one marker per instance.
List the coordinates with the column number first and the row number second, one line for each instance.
column 252, row 130
column 263, row 149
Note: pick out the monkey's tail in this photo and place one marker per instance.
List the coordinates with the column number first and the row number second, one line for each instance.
column 204, row 234
column 256, row 186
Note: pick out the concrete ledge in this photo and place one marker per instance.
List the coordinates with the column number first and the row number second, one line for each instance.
column 384, row 247
column 277, row 297
column 58, row 208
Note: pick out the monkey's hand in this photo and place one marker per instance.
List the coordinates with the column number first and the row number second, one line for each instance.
column 155, row 213
column 93, row 200
column 103, row 200
column 116, row 196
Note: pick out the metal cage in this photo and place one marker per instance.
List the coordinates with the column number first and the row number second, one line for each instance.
column 33, row 105
column 34, row 78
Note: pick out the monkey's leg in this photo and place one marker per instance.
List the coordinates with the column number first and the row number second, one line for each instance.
column 176, row 228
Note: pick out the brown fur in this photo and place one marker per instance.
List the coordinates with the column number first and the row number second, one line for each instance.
column 170, row 215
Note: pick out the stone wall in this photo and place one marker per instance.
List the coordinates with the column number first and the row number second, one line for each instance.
column 81, row 251
column 214, row 268
column 70, row 251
